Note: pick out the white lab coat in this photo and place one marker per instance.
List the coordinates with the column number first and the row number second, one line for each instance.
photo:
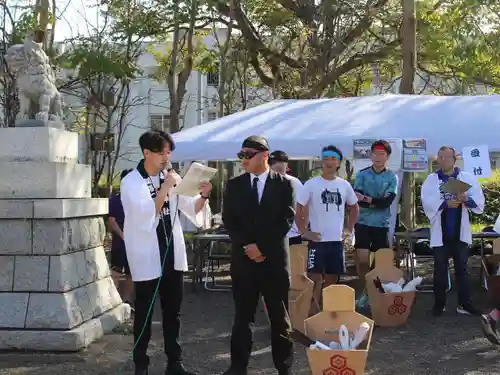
column 141, row 220
column 432, row 200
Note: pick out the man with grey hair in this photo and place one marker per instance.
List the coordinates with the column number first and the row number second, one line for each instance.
column 450, row 231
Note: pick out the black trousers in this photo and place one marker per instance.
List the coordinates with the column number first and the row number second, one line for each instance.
column 170, row 292
column 248, row 285
column 460, row 253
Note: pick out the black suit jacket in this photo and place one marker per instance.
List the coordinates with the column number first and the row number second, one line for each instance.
column 265, row 224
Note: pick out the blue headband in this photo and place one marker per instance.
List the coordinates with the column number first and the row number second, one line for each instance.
column 327, row 153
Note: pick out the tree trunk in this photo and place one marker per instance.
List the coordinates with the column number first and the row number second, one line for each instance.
column 409, row 47
column 177, row 82
column 406, row 87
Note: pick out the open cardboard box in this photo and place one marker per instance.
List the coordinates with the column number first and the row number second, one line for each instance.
column 390, row 309
column 301, row 287
column 338, row 309
column 492, row 281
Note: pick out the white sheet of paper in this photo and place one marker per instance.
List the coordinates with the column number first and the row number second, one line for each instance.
column 196, row 174
column 477, row 161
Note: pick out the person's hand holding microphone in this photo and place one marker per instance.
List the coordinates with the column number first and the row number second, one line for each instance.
column 171, row 179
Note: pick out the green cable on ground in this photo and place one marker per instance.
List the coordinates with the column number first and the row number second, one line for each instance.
column 153, row 299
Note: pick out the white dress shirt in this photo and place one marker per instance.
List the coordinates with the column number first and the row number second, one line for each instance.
column 262, row 182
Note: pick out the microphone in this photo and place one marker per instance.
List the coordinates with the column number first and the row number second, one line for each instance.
column 169, row 168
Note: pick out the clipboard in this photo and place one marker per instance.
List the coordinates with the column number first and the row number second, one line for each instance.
column 455, row 187
column 196, row 174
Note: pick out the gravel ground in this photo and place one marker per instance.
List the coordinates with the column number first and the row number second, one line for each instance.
column 447, row 345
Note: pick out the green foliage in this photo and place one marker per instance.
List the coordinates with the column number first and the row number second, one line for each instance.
column 459, row 41
column 27, row 21
column 92, row 57
column 491, row 188
column 204, row 59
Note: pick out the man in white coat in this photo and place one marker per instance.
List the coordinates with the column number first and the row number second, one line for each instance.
column 450, row 230
column 155, row 247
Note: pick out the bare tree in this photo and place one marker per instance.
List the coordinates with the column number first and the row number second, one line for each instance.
column 238, row 86
column 105, row 65
column 177, row 62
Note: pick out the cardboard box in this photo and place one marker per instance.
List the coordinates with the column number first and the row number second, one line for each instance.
column 390, row 309
column 338, row 309
column 301, row 287
column 298, row 265
column 490, row 266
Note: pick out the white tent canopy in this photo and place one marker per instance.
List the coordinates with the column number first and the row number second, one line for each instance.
column 302, row 127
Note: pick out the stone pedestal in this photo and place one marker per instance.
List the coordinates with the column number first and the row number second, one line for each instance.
column 56, row 292
column 33, row 123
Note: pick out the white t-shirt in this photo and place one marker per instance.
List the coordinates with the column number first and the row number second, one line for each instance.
column 297, row 186
column 326, row 200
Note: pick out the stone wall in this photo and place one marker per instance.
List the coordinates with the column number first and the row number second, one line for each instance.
column 56, row 292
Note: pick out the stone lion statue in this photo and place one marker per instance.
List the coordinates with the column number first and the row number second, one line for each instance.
column 35, row 80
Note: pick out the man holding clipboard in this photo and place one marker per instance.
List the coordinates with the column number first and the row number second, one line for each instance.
column 448, row 195
column 154, row 242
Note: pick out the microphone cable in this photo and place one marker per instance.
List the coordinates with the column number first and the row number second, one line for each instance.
column 155, row 294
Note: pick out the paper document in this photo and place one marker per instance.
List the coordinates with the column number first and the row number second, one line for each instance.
column 196, row 174
column 454, row 186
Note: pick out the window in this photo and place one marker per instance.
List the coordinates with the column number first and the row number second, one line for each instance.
column 159, row 122
column 213, row 77
column 211, row 116
column 235, row 55
column 162, row 122
column 102, row 142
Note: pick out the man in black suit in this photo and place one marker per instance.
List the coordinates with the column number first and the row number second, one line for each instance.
column 258, row 211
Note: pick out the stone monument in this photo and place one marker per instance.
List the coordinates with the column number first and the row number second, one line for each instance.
column 56, row 293
column 40, row 103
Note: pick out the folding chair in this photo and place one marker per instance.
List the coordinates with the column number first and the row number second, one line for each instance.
column 423, row 252
column 215, row 256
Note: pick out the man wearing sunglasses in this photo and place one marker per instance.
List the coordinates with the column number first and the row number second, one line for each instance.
column 258, row 211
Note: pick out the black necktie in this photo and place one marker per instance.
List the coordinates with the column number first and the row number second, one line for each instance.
column 255, row 189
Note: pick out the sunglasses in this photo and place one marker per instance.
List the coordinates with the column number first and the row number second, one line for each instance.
column 247, row 155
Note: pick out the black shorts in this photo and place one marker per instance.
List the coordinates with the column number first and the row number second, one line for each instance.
column 371, row 238
column 297, row 240
column 326, row 258
column 119, row 262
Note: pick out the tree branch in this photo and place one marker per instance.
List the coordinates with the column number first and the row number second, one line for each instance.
column 352, row 63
